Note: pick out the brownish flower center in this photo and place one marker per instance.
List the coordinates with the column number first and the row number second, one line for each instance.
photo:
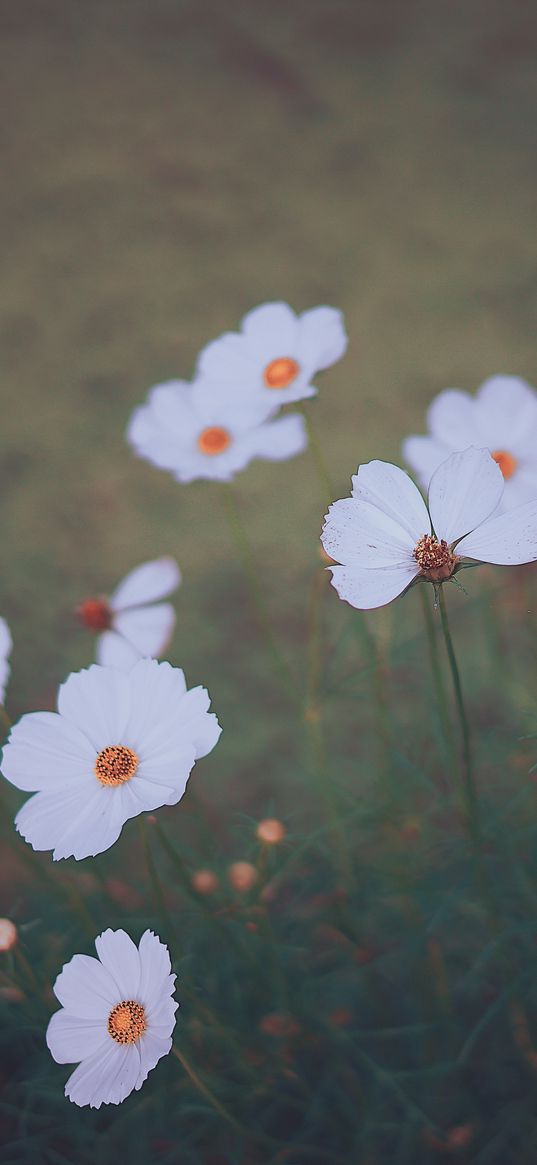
column 436, row 561
column 506, row 461
column 126, row 1022
column 95, row 614
column 115, row 764
column 280, row 372
column 213, row 440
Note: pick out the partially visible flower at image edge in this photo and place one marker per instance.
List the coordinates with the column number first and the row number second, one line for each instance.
column 385, row 538
column 116, row 1019
column 123, row 742
column 501, row 417
column 6, row 644
column 276, row 353
column 132, row 623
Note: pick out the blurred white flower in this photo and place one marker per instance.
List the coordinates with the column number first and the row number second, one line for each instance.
column 6, row 644
column 384, row 537
column 117, row 1017
column 123, row 742
column 276, row 353
column 132, row 624
column 502, row 417
column 202, row 430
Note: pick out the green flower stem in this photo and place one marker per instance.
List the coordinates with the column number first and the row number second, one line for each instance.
column 467, row 781
column 446, row 725
column 244, row 547
column 318, row 456
column 158, row 892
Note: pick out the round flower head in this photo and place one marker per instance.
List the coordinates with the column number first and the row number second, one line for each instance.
column 5, row 651
column 117, row 1017
column 132, row 623
column 502, row 417
column 122, row 742
column 276, row 353
column 200, row 430
column 385, row 537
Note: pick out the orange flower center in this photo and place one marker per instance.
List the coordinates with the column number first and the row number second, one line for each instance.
column 95, row 614
column 435, row 559
column 115, row 765
column 213, row 440
column 126, row 1022
column 506, row 461
column 280, row 372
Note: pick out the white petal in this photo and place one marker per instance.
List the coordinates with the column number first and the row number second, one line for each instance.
column 271, row 331
column 506, row 540
column 151, row 440
column 146, row 584
column 97, row 701
column 228, row 359
column 452, row 419
column 279, row 440
column 235, row 406
column 161, row 1015
column 113, row 650
column 424, row 455
column 44, row 751
column 71, row 1038
column 85, row 989
column 391, row 490
column 367, row 589
column 322, row 339
column 147, row 629
column 358, row 534
column 70, row 824
column 119, row 955
column 156, row 693
column 105, row 1078
column 200, row 725
column 464, row 491
column 506, row 411
column 152, row 1048
column 155, row 970
column 6, row 644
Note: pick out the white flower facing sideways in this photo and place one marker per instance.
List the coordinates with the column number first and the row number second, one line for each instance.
column 131, row 623
column 203, row 430
column 117, row 1017
column 122, row 742
column 502, row 417
column 276, row 353
column 385, row 537
column 5, row 651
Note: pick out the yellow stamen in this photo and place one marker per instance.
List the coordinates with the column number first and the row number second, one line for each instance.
column 506, row 462
column 213, row 440
column 435, row 559
column 115, row 764
column 281, row 372
column 126, row 1022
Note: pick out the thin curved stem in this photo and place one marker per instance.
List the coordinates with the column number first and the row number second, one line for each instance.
column 467, row 779
column 318, row 457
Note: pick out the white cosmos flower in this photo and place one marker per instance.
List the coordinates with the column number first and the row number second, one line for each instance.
column 132, row 623
column 385, row 537
column 203, row 430
column 117, row 1017
column 122, row 742
column 6, row 644
column 502, row 417
column 276, row 353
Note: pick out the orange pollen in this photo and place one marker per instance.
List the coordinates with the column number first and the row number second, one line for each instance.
column 281, row 372
column 126, row 1022
column 213, row 440
column 506, row 462
column 115, row 764
column 435, row 559
column 95, row 614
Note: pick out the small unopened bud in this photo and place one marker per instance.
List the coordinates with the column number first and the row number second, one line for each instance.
column 8, row 934
column 205, row 881
column 271, row 831
column 242, row 875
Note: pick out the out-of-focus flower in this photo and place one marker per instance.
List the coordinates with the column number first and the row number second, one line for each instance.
column 385, row 539
column 203, row 430
column 271, row 831
column 205, row 881
column 6, row 644
column 123, row 742
column 8, row 934
column 276, row 353
column 132, row 623
column 502, row 417
column 242, row 876
column 117, row 1017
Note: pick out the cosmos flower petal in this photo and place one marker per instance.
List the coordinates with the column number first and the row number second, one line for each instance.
column 6, row 645
column 506, row 408
column 271, row 330
column 203, row 727
column 227, row 359
column 148, row 629
column 452, row 419
column 81, row 826
column 161, row 1015
column 367, row 589
column 114, row 651
column 85, row 989
column 357, row 533
column 44, row 751
column 71, row 1038
column 120, row 957
column 107, row 1077
column 153, row 1047
column 507, row 539
column 280, row 439
column 322, row 339
column 390, row 490
column 424, row 455
column 155, row 970
column 156, row 693
column 146, row 584
column 96, row 700
column 465, row 490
